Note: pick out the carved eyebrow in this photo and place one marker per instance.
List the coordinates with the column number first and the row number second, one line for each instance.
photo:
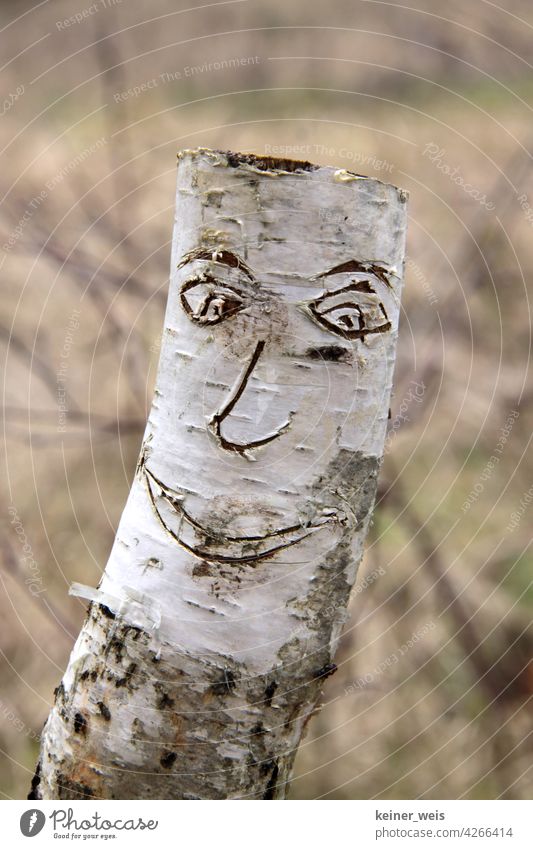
column 361, row 268
column 356, row 286
column 224, row 257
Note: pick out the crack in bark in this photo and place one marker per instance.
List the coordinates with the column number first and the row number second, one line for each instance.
column 266, row 163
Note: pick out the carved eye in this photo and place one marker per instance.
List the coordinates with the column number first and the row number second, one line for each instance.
column 351, row 312
column 207, row 302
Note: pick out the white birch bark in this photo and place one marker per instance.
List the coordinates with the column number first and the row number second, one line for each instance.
column 217, row 618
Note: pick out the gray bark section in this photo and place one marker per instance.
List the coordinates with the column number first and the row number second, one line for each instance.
column 211, row 730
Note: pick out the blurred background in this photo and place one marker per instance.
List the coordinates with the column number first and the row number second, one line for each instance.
column 432, row 697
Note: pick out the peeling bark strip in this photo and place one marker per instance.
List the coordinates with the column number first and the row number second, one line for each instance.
column 210, row 635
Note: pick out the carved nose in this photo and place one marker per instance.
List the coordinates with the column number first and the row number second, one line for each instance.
column 216, row 423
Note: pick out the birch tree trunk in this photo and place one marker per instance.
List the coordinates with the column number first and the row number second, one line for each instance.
column 216, row 620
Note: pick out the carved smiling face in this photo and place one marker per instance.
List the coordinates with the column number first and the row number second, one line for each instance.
column 221, row 289
column 276, row 358
column 265, row 389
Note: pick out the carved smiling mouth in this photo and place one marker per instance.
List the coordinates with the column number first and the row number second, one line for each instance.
column 203, row 543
